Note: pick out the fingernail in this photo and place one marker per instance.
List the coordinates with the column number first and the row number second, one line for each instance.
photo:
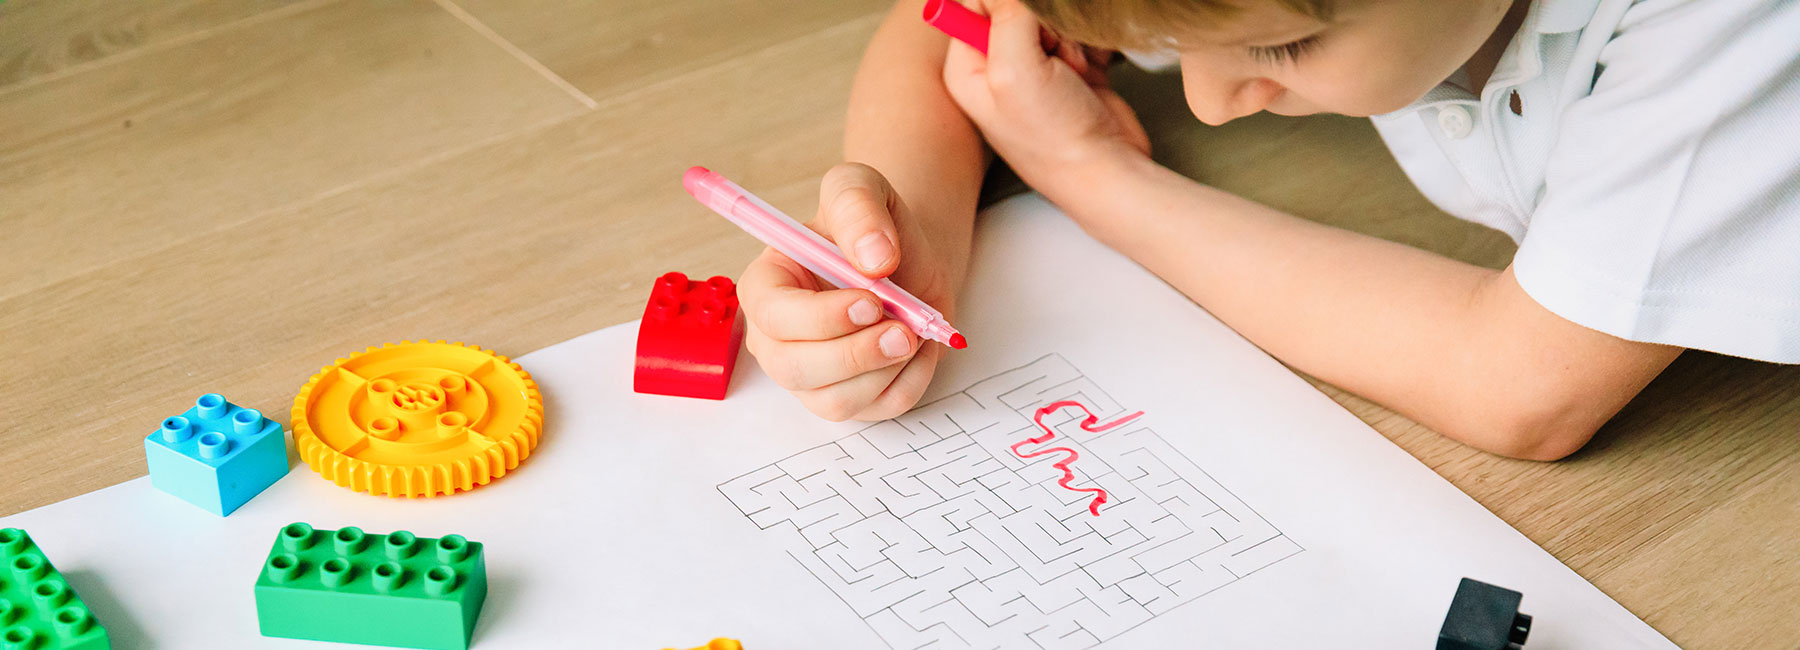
column 893, row 343
column 873, row 251
column 864, row 312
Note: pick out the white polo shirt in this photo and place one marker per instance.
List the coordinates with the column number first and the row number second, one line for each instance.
column 1652, row 180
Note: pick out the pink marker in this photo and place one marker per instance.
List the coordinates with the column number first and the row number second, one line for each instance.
column 959, row 22
column 821, row 257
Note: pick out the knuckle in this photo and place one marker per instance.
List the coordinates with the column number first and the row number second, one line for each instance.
column 831, row 405
column 857, row 356
column 859, row 206
column 893, row 402
column 778, row 368
column 1002, row 79
column 793, row 373
column 761, row 319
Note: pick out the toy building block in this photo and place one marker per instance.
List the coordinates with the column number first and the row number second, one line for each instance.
column 38, row 609
column 718, row 644
column 417, row 419
column 688, row 342
column 1484, row 617
column 217, row 455
column 348, row 586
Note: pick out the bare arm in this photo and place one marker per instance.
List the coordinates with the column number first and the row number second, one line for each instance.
column 903, row 123
column 903, row 208
column 1457, row 347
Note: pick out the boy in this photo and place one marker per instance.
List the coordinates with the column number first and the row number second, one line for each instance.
column 1642, row 153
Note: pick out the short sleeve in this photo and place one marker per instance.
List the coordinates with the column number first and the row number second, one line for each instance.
column 1671, row 206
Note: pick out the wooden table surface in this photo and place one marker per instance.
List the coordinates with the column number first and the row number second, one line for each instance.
column 225, row 195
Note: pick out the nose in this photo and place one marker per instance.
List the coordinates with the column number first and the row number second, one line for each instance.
column 1217, row 100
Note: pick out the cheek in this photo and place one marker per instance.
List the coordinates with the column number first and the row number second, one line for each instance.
column 1359, row 87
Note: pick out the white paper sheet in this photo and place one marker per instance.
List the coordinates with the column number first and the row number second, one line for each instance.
column 1246, row 510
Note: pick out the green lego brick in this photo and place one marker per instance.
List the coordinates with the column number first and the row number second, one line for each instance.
column 352, row 587
column 38, row 609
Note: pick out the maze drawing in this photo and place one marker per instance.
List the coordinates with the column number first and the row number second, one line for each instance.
column 934, row 532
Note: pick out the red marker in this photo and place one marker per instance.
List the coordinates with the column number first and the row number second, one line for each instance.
column 784, row 234
column 959, row 22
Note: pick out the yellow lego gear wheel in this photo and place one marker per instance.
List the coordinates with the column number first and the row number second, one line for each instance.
column 417, row 419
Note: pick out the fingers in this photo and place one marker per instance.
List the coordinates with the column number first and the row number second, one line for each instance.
column 808, row 365
column 1015, row 46
column 781, row 306
column 1098, row 60
column 1068, row 51
column 906, row 388
column 877, row 395
column 856, row 210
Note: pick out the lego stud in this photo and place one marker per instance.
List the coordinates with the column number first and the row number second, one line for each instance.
column 453, row 384
column 401, row 544
column 73, row 621
column 283, row 568
column 664, row 307
column 176, row 429
column 297, row 536
column 12, row 541
column 721, row 284
column 451, row 424
column 673, row 284
column 18, row 638
column 388, row 576
column 50, row 594
column 9, row 612
column 349, row 540
column 440, row 580
column 384, row 428
column 712, row 310
column 212, row 405
column 30, row 568
column 452, row 549
column 214, row 445
column 336, row 572
column 246, row 421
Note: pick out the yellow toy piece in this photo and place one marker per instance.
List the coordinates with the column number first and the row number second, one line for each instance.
column 718, row 644
column 417, row 419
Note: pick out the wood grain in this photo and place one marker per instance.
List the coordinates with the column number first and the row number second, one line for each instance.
column 301, row 182
column 39, row 37
column 155, row 148
column 608, row 48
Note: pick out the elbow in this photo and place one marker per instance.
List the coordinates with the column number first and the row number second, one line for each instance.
column 1545, row 442
column 1542, row 431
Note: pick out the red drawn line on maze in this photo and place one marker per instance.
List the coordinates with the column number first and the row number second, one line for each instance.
column 1088, row 424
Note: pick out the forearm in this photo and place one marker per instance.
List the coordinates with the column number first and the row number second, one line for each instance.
column 1431, row 337
column 902, row 122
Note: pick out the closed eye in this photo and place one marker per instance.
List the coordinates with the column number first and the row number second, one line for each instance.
column 1285, row 53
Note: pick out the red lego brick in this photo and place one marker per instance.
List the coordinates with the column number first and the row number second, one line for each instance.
column 688, row 342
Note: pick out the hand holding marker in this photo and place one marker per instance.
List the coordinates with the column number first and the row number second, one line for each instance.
column 959, row 22
column 821, row 257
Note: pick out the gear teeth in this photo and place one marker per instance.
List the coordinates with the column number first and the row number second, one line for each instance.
column 475, row 463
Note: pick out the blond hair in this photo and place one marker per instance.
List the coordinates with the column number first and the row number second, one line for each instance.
column 1148, row 24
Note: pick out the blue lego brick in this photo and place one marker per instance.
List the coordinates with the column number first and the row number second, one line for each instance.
column 217, row 455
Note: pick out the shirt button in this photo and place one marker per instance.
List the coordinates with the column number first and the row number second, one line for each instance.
column 1455, row 121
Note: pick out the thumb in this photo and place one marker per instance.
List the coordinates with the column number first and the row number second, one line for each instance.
column 856, row 210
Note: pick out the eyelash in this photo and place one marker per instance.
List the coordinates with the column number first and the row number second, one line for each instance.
column 1284, row 54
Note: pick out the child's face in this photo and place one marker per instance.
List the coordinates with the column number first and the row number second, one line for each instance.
column 1372, row 57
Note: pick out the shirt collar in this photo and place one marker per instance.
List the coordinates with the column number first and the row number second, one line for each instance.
column 1564, row 16
column 1520, row 61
